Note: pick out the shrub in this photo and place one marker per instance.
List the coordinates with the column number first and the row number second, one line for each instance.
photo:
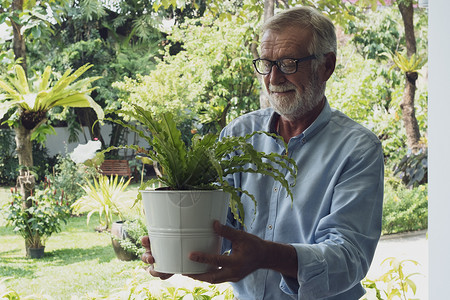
column 105, row 197
column 6, row 292
column 138, row 287
column 38, row 217
column 8, row 160
column 135, row 230
column 405, row 209
column 413, row 168
column 42, row 161
column 395, row 283
column 69, row 177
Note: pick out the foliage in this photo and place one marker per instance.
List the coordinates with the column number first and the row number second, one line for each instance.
column 375, row 35
column 39, row 221
column 7, row 293
column 204, row 164
column 105, row 197
column 367, row 87
column 404, row 209
column 413, row 168
column 137, row 287
column 8, row 160
column 251, row 11
column 378, row 33
column 128, row 37
column 412, row 64
column 9, row 164
column 397, row 284
column 369, row 90
column 42, row 162
column 69, row 176
column 211, row 81
column 230, row 87
column 112, row 63
column 35, row 101
column 135, row 229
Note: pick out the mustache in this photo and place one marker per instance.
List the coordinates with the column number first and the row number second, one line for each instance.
column 282, row 88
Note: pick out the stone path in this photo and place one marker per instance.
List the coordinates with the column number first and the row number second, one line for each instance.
column 413, row 246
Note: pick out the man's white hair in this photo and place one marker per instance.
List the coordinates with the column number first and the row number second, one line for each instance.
column 305, row 17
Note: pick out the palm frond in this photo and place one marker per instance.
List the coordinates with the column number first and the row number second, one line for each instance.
column 20, row 82
column 43, row 97
column 412, row 64
column 45, row 79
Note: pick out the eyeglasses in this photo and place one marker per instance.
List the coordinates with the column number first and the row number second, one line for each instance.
column 285, row 65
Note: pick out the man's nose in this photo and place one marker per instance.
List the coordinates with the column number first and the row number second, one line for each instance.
column 276, row 77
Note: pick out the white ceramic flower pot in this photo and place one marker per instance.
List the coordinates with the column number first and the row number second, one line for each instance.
column 180, row 222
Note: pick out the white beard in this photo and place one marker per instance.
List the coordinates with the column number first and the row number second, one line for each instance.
column 301, row 103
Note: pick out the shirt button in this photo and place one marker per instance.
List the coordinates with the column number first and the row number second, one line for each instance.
column 270, row 227
column 275, row 189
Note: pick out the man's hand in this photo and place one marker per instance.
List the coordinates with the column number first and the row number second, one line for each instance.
column 248, row 254
column 148, row 258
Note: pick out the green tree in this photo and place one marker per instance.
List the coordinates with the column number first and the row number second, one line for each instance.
column 367, row 87
column 128, row 38
column 27, row 106
column 215, row 79
column 411, row 74
column 120, row 39
column 409, row 64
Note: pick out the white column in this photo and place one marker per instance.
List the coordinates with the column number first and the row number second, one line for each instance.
column 439, row 149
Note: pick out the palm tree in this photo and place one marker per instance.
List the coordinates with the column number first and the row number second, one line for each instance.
column 29, row 105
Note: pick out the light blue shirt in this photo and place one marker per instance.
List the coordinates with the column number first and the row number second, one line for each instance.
column 334, row 222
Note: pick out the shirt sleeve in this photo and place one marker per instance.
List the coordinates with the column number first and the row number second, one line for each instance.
column 346, row 238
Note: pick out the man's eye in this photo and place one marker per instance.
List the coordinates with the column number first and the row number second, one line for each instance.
column 266, row 64
column 288, row 63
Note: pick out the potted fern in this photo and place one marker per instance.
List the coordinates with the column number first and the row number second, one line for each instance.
column 190, row 176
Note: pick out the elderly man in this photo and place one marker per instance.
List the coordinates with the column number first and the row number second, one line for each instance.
column 321, row 245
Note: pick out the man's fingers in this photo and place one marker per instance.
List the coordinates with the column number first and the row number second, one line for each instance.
column 210, row 259
column 145, row 242
column 162, row 276
column 225, row 231
column 216, row 276
column 211, row 277
column 148, row 258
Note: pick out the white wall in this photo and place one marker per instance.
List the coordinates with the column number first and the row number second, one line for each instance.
column 59, row 144
column 439, row 146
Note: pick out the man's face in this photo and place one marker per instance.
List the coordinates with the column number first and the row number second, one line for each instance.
column 293, row 95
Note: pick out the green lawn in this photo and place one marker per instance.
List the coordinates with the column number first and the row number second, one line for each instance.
column 77, row 261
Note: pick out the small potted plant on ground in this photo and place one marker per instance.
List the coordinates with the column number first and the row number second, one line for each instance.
column 127, row 236
column 37, row 221
column 105, row 196
column 191, row 176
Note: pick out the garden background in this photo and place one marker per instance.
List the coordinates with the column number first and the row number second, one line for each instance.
column 192, row 59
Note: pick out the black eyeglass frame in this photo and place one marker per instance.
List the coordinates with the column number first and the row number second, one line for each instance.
column 278, row 63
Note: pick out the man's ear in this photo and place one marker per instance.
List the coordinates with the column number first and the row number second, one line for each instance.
column 328, row 66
